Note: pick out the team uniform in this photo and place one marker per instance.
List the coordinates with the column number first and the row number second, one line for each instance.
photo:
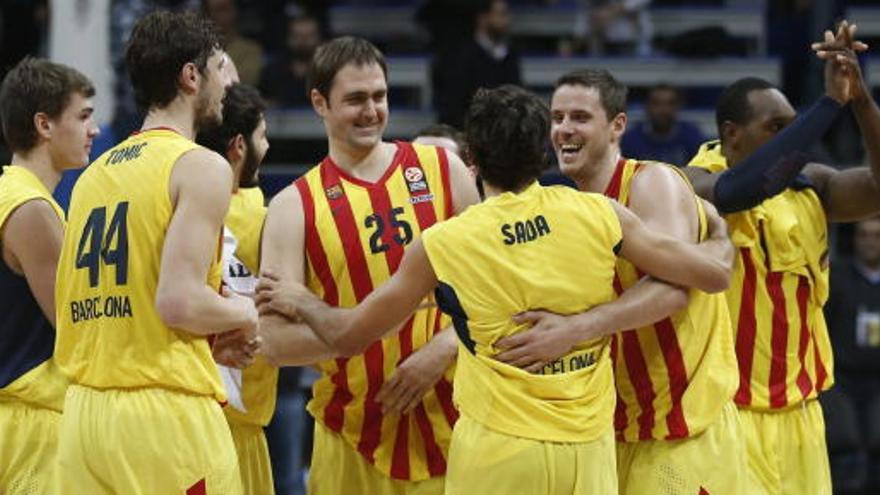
column 676, row 424
column 355, row 235
column 143, row 413
column 779, row 286
column 31, row 385
column 524, row 433
column 255, row 386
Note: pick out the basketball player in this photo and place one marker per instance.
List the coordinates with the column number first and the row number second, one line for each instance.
column 241, row 138
column 778, row 205
column 526, row 246
column 675, row 419
column 383, row 416
column 140, row 292
column 46, row 111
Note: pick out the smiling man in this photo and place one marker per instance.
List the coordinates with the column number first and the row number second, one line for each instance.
column 384, row 415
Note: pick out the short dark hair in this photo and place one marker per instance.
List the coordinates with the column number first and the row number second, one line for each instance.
column 33, row 86
column 733, row 105
column 445, row 131
column 242, row 110
column 332, row 56
column 612, row 93
column 160, row 45
column 506, row 130
column 664, row 87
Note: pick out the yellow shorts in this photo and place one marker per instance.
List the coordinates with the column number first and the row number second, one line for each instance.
column 786, row 450
column 713, row 461
column 28, row 444
column 485, row 461
column 253, row 458
column 144, row 441
column 338, row 469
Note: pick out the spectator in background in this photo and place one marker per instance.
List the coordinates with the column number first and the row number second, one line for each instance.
column 662, row 136
column 246, row 53
column 283, row 82
column 615, row 27
column 485, row 61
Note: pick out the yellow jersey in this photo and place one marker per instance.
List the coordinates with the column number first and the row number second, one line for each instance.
column 109, row 332
column 27, row 371
column 241, row 241
column 355, row 235
column 551, row 248
column 779, row 285
column 674, row 377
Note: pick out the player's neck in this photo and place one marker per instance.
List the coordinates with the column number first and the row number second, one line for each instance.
column 175, row 116
column 369, row 165
column 595, row 177
column 39, row 162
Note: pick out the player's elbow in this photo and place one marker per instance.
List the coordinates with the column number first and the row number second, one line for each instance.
column 174, row 310
column 718, row 279
column 348, row 346
column 677, row 300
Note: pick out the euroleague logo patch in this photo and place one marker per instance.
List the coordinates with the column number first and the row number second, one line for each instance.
column 413, row 174
column 415, row 180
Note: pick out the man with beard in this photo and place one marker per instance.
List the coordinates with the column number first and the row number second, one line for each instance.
column 241, row 138
column 140, row 293
column 383, row 415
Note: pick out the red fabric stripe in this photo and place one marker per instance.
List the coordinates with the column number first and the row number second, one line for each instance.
column 613, row 188
column 778, row 340
column 678, row 381
column 447, row 187
column 803, row 294
column 198, row 489
column 620, row 419
column 747, row 328
column 436, row 461
column 637, row 369
column 443, row 388
column 821, row 372
column 400, row 457
column 703, row 491
column 314, row 250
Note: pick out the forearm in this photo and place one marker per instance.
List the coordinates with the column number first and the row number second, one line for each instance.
column 868, row 117
column 201, row 310
column 770, row 169
column 445, row 344
column 645, row 303
column 288, row 343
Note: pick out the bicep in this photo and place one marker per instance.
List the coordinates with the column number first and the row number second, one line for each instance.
column 664, row 203
column 34, row 234
column 202, row 192
column 283, row 243
column 846, row 195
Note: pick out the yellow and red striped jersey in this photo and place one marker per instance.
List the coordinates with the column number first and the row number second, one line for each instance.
column 356, row 232
column 673, row 377
column 779, row 286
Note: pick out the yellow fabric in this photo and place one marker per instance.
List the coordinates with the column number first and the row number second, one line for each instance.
column 344, row 229
column 787, row 454
column 713, row 460
column 689, row 356
column 253, row 458
column 144, row 441
column 28, row 445
column 259, row 380
column 779, row 286
column 124, row 344
column 247, row 213
column 566, row 267
column 44, row 385
column 484, row 461
column 339, row 469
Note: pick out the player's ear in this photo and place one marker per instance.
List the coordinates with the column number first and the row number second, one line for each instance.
column 188, row 79
column 43, row 125
column 618, row 125
column 319, row 102
column 237, row 148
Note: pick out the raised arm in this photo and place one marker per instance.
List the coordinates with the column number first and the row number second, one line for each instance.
column 351, row 330
column 200, row 188
column 32, row 240
column 674, row 261
column 287, row 342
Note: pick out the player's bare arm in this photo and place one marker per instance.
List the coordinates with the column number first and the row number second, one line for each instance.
column 663, row 201
column 351, row 330
column 852, row 194
column 32, row 238
column 672, row 260
column 287, row 341
column 200, row 188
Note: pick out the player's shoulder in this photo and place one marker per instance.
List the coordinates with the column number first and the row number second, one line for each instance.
column 659, row 178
